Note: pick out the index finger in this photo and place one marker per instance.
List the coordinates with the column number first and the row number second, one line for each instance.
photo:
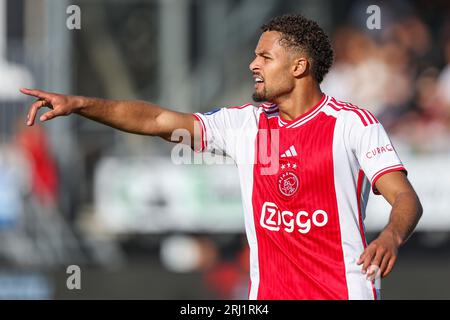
column 33, row 110
column 36, row 93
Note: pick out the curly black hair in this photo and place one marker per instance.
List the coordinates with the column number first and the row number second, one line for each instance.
column 305, row 35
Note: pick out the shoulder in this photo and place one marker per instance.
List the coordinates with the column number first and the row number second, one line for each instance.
column 262, row 107
column 249, row 109
column 245, row 108
column 232, row 117
column 351, row 114
column 232, row 111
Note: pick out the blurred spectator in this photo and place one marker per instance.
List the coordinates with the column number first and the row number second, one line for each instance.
column 426, row 127
column 182, row 253
column 229, row 279
column 359, row 73
column 394, row 74
column 13, row 76
column 443, row 81
column 44, row 179
column 13, row 185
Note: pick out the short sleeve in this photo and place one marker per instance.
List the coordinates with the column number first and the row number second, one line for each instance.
column 374, row 150
column 222, row 128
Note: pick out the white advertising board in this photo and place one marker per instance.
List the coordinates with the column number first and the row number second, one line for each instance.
column 154, row 195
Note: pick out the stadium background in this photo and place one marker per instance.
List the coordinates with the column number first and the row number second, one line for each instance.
column 74, row 192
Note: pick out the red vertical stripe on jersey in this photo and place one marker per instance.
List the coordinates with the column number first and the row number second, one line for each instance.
column 202, row 133
column 360, row 218
column 358, row 197
column 295, row 265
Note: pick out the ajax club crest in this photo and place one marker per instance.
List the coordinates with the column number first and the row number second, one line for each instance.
column 288, row 182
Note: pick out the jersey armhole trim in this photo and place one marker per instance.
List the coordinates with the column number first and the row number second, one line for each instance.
column 382, row 172
column 203, row 133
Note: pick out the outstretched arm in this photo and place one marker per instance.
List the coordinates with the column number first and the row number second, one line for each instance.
column 131, row 116
column 405, row 214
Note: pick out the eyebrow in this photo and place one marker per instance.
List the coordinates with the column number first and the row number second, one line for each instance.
column 261, row 53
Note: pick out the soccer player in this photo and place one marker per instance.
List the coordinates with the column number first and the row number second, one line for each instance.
column 316, row 159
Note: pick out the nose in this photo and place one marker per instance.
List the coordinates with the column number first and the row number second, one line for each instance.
column 253, row 65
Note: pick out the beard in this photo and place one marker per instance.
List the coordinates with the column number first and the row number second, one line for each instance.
column 260, row 96
column 273, row 93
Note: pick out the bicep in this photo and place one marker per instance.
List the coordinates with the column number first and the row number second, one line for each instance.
column 175, row 126
column 392, row 184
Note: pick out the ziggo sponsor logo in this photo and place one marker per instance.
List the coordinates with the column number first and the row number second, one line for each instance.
column 272, row 219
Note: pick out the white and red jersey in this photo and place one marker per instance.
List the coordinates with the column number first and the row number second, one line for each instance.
column 305, row 185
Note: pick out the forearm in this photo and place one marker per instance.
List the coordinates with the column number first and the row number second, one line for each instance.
column 405, row 214
column 131, row 116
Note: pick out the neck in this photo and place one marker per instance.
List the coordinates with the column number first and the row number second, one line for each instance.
column 299, row 101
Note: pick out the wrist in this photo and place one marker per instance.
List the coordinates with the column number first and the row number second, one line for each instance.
column 394, row 235
column 81, row 103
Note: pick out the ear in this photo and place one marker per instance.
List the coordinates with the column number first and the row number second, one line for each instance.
column 300, row 67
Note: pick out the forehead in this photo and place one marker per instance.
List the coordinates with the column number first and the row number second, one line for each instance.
column 269, row 42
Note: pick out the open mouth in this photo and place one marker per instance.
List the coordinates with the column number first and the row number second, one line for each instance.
column 258, row 80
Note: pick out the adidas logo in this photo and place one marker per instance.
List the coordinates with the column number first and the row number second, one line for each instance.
column 291, row 152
